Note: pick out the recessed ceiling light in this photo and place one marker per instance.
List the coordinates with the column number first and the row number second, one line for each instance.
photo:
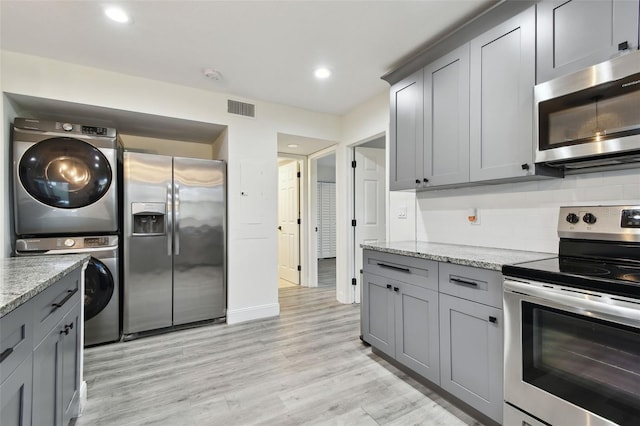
column 322, row 73
column 293, row 145
column 117, row 14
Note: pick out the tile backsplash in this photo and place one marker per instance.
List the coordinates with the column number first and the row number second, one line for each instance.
column 520, row 216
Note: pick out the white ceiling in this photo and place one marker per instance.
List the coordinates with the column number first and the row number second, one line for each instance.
column 265, row 50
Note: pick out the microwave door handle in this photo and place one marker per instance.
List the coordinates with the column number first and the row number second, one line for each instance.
column 169, row 224
column 176, row 227
column 578, row 304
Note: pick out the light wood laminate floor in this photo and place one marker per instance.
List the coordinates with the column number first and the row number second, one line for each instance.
column 306, row 367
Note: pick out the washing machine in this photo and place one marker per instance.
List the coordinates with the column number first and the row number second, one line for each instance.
column 101, row 280
column 65, row 178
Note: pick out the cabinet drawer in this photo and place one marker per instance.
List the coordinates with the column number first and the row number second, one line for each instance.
column 475, row 284
column 52, row 304
column 411, row 270
column 16, row 338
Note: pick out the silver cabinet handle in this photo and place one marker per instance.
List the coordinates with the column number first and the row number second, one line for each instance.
column 176, row 236
column 169, row 225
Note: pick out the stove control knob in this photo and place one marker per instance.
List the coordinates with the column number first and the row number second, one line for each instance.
column 573, row 218
column 589, row 218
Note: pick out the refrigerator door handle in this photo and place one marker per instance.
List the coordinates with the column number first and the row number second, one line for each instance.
column 169, row 219
column 176, row 234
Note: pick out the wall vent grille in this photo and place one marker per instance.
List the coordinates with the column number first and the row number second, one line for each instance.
column 241, row 108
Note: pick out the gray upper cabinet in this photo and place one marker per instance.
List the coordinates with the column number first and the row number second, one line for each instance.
column 576, row 34
column 501, row 100
column 446, row 126
column 407, row 118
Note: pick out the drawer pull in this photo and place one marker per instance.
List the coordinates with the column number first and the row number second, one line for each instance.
column 63, row 301
column 6, row 354
column 465, row 282
column 396, row 268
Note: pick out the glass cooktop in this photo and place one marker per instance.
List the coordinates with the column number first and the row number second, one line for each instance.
column 621, row 279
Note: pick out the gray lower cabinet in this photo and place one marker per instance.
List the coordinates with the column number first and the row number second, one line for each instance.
column 416, row 333
column 441, row 320
column 401, row 320
column 471, row 353
column 15, row 395
column 40, row 357
column 400, row 310
column 501, row 100
column 575, row 34
column 55, row 373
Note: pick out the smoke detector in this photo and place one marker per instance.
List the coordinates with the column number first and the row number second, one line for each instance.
column 212, row 74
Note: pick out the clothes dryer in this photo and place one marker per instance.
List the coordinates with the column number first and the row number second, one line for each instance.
column 101, row 280
column 65, row 178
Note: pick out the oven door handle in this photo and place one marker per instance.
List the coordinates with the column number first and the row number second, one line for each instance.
column 614, row 311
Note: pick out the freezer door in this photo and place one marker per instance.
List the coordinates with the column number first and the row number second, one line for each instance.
column 148, row 195
column 199, row 291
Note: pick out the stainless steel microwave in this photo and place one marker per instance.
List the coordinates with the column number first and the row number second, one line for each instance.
column 591, row 117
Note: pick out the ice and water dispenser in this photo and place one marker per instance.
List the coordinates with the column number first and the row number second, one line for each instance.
column 148, row 218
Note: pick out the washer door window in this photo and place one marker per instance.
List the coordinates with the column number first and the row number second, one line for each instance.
column 98, row 288
column 65, row 173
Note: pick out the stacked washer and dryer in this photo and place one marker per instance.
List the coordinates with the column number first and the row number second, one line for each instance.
column 67, row 190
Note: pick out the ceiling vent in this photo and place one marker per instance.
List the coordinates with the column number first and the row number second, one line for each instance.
column 241, row 108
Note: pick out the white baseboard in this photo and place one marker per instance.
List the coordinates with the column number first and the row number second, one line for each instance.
column 235, row 316
column 83, row 396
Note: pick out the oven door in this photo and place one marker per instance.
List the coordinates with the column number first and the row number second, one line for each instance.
column 571, row 356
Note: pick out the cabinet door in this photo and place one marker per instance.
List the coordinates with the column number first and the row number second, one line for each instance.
column 46, row 379
column 407, row 132
column 70, row 364
column 15, row 396
column 446, row 112
column 575, row 34
column 417, row 333
column 471, row 354
column 378, row 313
column 501, row 96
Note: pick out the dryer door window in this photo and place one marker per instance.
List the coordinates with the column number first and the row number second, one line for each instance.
column 65, row 173
column 98, row 289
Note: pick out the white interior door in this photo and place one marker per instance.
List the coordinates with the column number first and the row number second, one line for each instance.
column 289, row 229
column 369, row 202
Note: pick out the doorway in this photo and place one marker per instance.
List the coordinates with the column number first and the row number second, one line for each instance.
column 326, row 220
column 288, row 223
column 369, row 200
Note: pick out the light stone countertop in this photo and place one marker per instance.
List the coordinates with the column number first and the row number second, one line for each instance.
column 478, row 257
column 22, row 278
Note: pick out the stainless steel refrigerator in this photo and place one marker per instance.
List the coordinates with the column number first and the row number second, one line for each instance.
column 174, row 241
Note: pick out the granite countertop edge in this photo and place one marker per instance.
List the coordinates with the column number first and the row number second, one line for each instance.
column 23, row 278
column 465, row 255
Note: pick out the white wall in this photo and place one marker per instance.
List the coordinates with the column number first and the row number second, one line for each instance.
column 251, row 144
column 168, row 147
column 369, row 120
column 522, row 216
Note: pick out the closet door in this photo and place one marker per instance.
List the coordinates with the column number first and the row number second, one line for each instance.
column 326, row 219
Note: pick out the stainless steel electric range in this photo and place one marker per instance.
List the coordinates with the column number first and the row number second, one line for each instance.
column 572, row 324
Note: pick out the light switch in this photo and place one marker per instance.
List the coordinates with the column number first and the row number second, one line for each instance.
column 402, row 212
